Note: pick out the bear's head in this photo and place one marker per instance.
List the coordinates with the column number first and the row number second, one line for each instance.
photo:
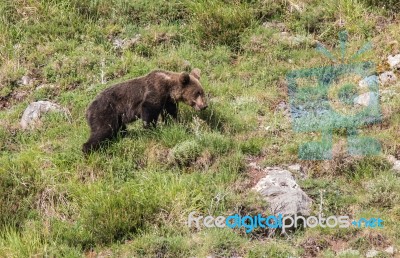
column 192, row 91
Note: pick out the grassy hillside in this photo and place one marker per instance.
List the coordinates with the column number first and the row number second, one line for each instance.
column 133, row 198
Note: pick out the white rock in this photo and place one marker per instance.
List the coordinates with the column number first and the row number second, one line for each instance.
column 371, row 253
column 26, row 80
column 283, row 194
column 45, row 86
column 119, row 43
column 395, row 162
column 394, row 61
column 390, row 250
column 366, row 99
column 295, row 167
column 396, row 166
column 35, row 110
column 387, row 77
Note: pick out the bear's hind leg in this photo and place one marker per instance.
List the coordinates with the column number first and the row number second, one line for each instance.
column 107, row 130
column 96, row 139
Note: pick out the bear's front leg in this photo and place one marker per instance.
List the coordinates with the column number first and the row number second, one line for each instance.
column 150, row 116
column 123, row 130
column 170, row 109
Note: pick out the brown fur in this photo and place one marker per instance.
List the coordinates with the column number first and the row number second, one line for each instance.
column 144, row 97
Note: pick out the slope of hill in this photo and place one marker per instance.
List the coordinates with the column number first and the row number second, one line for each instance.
column 134, row 197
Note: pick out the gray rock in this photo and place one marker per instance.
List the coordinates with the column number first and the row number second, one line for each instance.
column 283, row 194
column 35, row 110
column 371, row 253
column 366, row 99
column 387, row 78
column 394, row 61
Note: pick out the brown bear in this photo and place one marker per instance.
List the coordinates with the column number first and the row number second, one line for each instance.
column 144, row 97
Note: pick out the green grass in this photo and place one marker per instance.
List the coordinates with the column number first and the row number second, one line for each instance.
column 133, row 198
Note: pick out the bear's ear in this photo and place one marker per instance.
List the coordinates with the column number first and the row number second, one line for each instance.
column 184, row 78
column 196, row 73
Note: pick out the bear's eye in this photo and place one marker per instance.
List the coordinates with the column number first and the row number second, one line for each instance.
column 198, row 93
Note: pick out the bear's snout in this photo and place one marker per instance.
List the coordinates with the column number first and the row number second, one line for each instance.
column 200, row 107
column 203, row 107
column 199, row 104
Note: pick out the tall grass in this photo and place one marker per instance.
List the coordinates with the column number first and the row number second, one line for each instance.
column 132, row 198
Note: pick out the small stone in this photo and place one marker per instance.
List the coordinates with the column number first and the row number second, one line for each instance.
column 394, row 61
column 371, row 253
column 390, row 250
column 26, row 80
column 186, row 64
column 387, row 78
column 295, row 167
column 367, row 99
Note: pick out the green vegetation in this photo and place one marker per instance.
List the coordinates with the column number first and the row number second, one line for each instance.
column 133, row 198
